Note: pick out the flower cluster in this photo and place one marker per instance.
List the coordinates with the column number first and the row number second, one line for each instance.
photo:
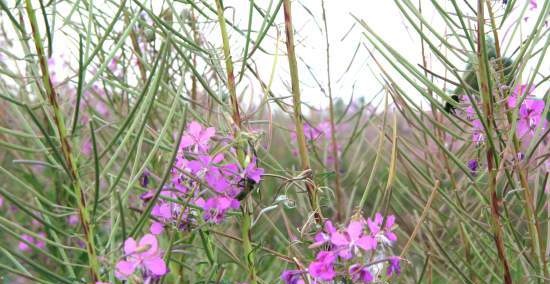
column 144, row 256
column 26, row 239
column 353, row 253
column 530, row 110
column 205, row 178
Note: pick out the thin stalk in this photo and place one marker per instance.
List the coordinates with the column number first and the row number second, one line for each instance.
column 297, row 104
column 229, row 66
column 65, row 146
column 534, row 225
column 488, row 110
column 246, row 223
column 336, row 161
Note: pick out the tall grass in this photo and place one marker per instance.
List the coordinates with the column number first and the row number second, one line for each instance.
column 142, row 141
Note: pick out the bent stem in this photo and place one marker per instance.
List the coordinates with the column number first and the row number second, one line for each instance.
column 296, row 100
column 65, row 146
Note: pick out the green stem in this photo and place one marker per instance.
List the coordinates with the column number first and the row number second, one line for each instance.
column 297, row 103
column 246, row 223
column 336, row 161
column 534, row 225
column 65, row 146
column 488, row 110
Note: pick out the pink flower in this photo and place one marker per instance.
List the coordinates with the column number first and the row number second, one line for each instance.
column 324, row 236
column 376, row 224
column 478, row 132
column 394, row 267
column 197, row 136
column 73, row 220
column 323, row 266
column 143, row 255
column 216, row 207
column 351, row 239
column 292, row 277
column 530, row 114
column 253, row 172
column 23, row 246
column 156, row 228
column 360, row 274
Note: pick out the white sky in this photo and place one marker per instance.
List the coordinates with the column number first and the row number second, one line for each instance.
column 362, row 77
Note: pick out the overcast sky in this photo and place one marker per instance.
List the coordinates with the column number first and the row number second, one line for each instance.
column 350, row 74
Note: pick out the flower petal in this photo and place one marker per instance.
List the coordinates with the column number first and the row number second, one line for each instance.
column 156, row 265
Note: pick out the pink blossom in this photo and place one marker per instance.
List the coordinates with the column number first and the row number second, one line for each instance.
column 144, row 255
column 323, row 266
column 375, row 226
column 324, row 236
column 23, row 246
column 292, row 277
column 216, row 207
column 156, row 228
column 197, row 136
column 360, row 274
column 351, row 239
column 530, row 114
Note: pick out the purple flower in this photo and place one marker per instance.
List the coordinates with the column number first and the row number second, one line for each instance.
column 253, row 172
column 360, row 274
column 478, row 133
column 23, row 246
column 216, row 207
column 473, row 165
column 292, row 277
column 394, row 266
column 156, row 228
column 197, row 136
column 351, row 239
column 144, row 254
column 324, row 236
column 375, row 226
column 323, row 266
column 39, row 243
column 530, row 114
column 533, row 4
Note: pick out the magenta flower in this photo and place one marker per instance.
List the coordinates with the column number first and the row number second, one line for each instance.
column 144, row 255
column 351, row 239
column 197, row 136
column 39, row 243
column 253, row 172
column 478, row 133
column 375, row 226
column 394, row 267
column 323, row 266
column 519, row 92
column 530, row 114
column 292, row 277
column 323, row 237
column 23, row 246
column 473, row 165
column 156, row 228
column 360, row 274
column 216, row 207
